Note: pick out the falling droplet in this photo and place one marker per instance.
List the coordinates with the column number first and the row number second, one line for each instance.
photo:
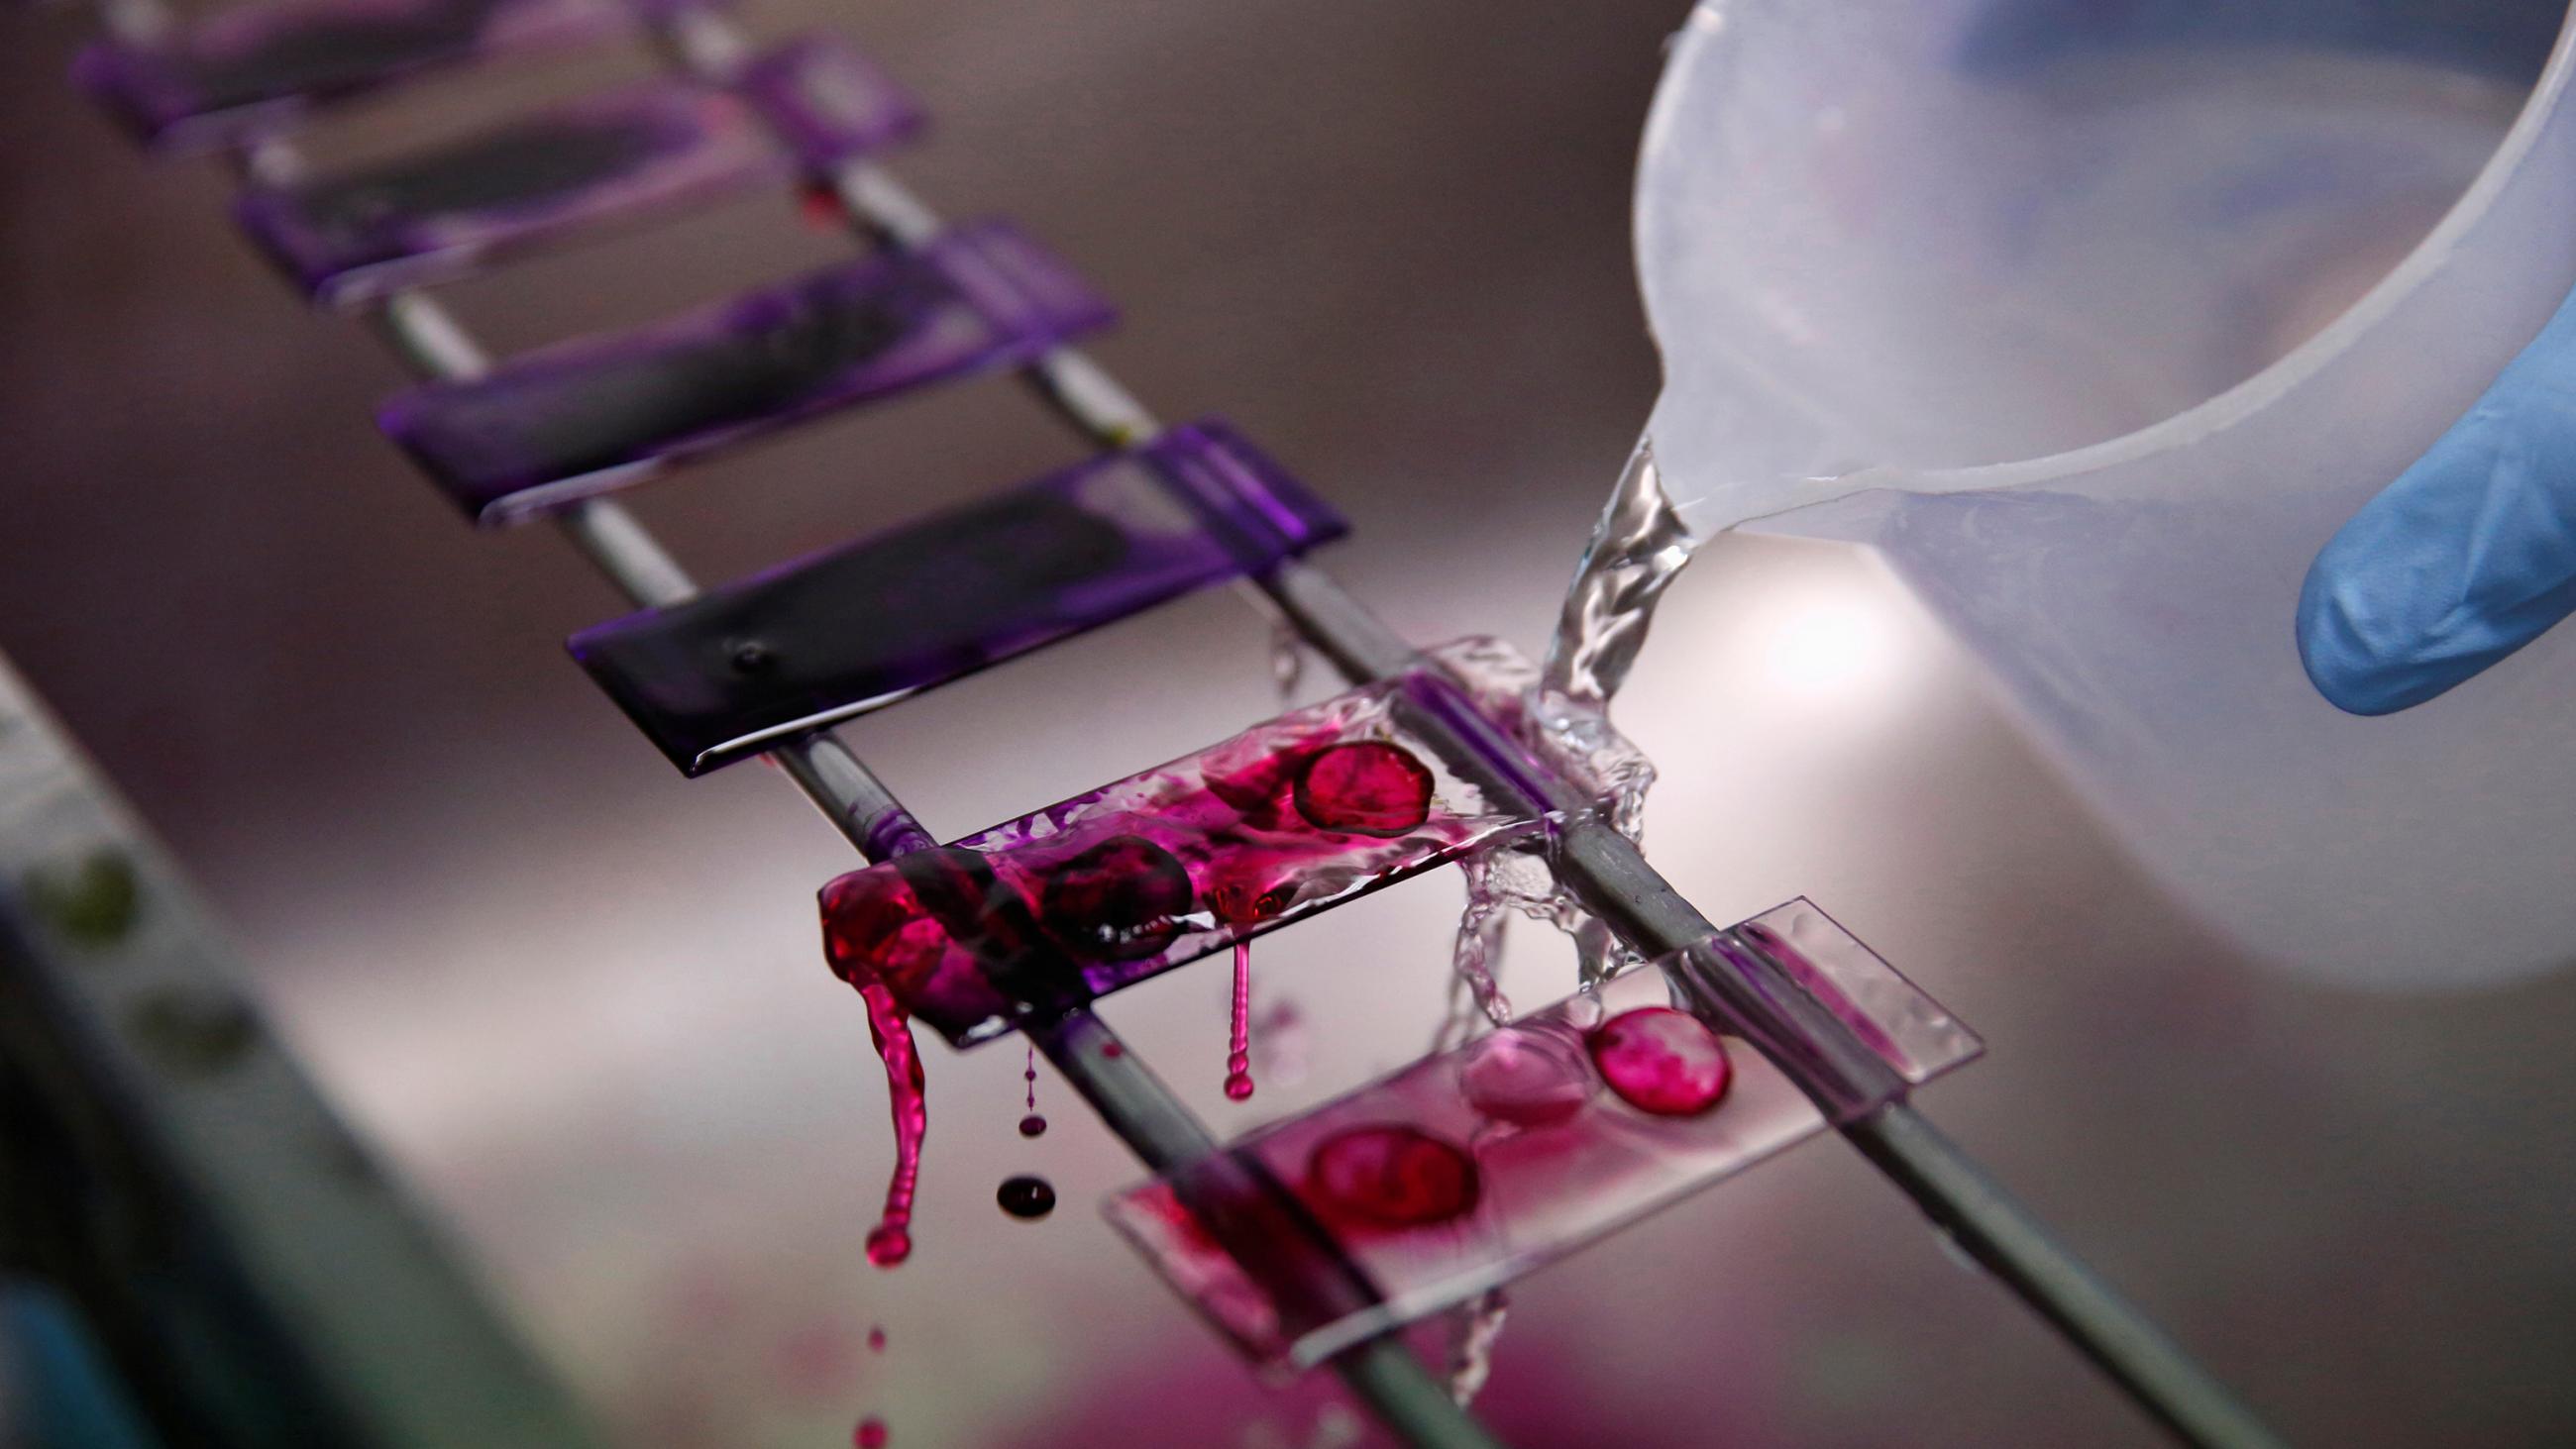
column 876, row 1338
column 1025, row 1197
column 1033, row 1125
column 1238, row 1059
column 1287, row 658
column 890, row 1241
column 871, row 1434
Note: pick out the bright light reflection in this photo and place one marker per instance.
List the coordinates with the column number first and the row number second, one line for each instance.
column 1837, row 647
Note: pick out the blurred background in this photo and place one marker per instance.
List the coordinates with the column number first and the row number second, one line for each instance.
column 579, row 1000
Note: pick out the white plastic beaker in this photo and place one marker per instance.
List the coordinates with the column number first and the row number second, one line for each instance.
column 2098, row 320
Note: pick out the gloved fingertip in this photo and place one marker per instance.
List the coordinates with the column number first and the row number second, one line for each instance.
column 2354, row 674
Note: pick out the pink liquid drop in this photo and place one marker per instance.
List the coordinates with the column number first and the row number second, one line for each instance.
column 871, row 1434
column 876, row 1339
column 1526, row 1076
column 1033, row 1125
column 1398, row 1177
column 1661, row 1061
column 819, row 207
column 890, row 1241
column 1238, row 1059
column 1367, row 787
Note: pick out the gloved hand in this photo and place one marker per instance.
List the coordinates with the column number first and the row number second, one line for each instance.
column 2468, row 556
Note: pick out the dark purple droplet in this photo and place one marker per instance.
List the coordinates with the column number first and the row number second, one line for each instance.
column 1366, row 787
column 1026, row 1197
column 1397, row 1177
column 1033, row 1125
column 1119, row 900
column 1661, row 1061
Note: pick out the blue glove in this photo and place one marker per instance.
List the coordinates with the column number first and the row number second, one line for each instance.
column 2468, row 556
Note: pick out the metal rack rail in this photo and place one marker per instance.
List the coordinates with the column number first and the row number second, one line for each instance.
column 1602, row 869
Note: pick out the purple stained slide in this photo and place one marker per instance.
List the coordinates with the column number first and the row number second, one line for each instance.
column 566, row 422
column 249, row 70
column 841, row 633
column 570, row 170
column 1471, row 1168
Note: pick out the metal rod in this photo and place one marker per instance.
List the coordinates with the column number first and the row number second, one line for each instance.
column 1996, row 1230
column 1603, row 870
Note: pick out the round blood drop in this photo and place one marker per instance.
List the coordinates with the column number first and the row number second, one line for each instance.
column 1028, row 1198
column 1120, row 900
column 1525, row 1076
column 1367, row 787
column 1033, row 1125
column 1397, row 1177
column 888, row 1245
column 1662, row 1061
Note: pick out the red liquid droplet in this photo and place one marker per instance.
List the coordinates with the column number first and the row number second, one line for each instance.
column 1394, row 1176
column 1661, row 1061
column 890, row 1241
column 1367, row 787
column 1033, row 1125
column 1113, row 1051
column 1031, row 1075
column 874, row 929
column 1027, row 1198
column 819, row 206
column 876, row 1339
column 1238, row 1059
column 871, row 1434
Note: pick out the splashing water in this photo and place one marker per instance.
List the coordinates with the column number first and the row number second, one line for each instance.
column 1637, row 548
column 1472, row 1331
column 1238, row 1059
column 1473, row 991
column 1287, row 659
column 1638, row 545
